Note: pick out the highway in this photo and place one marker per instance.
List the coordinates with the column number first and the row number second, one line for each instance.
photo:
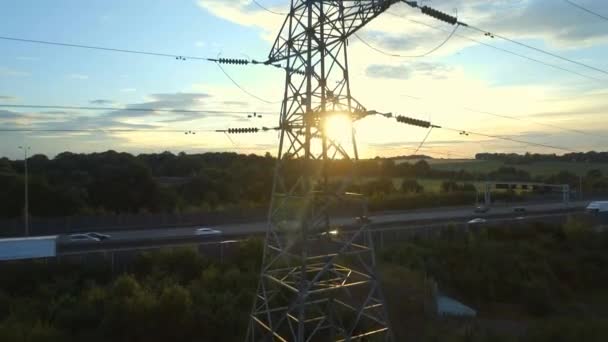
column 387, row 220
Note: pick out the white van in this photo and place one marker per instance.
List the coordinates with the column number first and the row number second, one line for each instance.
column 597, row 207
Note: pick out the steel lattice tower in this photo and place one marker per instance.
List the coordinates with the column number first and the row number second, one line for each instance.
column 316, row 285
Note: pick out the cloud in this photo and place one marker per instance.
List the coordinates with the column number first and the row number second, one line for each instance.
column 7, row 98
column 245, row 13
column 13, row 73
column 128, row 90
column 176, row 107
column 200, row 44
column 101, row 102
column 8, row 115
column 388, row 71
column 78, row 76
column 407, row 71
column 235, row 103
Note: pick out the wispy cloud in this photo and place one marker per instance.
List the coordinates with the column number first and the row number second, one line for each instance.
column 101, row 102
column 13, row 73
column 7, row 98
column 406, row 71
column 78, row 76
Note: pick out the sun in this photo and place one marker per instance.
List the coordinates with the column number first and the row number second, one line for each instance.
column 338, row 127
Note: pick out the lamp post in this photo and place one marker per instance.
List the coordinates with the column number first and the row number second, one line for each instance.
column 27, row 213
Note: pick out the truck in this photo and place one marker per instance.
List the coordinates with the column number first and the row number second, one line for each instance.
column 28, row 248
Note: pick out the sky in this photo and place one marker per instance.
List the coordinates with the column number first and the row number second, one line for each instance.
column 464, row 84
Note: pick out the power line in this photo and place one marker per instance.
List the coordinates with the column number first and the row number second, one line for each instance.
column 586, row 9
column 424, row 140
column 421, row 123
column 454, row 21
column 130, row 109
column 102, row 130
column 500, row 49
column 147, row 130
column 218, row 61
column 529, row 143
column 243, row 89
column 267, row 9
column 533, row 121
column 413, row 56
column 524, row 119
column 92, row 47
column 548, row 53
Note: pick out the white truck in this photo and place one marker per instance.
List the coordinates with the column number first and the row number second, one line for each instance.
column 28, row 248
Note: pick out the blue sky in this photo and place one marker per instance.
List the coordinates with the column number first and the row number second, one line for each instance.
column 461, row 75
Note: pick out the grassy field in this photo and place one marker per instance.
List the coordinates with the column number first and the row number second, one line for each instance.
column 535, row 169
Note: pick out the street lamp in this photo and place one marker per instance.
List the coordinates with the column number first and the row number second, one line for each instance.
column 26, row 214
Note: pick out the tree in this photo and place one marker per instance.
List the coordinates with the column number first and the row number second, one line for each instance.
column 411, row 186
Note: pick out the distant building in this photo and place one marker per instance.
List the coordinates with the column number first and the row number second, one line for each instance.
column 447, row 306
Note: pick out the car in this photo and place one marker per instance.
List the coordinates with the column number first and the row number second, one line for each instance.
column 83, row 237
column 207, row 232
column 332, row 232
column 519, row 209
column 482, row 209
column 477, row 220
column 99, row 236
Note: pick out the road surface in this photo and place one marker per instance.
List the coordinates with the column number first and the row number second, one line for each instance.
column 399, row 220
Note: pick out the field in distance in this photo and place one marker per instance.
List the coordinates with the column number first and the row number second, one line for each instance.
column 540, row 168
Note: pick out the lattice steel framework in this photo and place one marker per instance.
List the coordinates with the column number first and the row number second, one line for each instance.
column 317, row 284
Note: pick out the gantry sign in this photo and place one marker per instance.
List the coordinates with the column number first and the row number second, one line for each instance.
column 317, row 283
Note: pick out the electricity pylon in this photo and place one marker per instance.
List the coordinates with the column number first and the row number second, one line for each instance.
column 317, row 284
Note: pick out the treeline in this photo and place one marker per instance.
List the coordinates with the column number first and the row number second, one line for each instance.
column 120, row 183
column 113, row 182
column 514, row 158
column 172, row 295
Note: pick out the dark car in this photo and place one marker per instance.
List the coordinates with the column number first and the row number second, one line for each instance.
column 519, row 209
column 363, row 220
column 482, row 209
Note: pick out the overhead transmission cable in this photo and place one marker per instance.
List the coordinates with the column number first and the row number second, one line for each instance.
column 257, row 3
column 426, row 124
column 499, row 48
column 92, row 47
column 218, row 61
column 428, row 133
column 243, row 89
column 411, row 56
column 102, row 130
column 132, row 109
column 586, row 10
column 147, row 130
column 454, row 21
column 523, row 119
column 548, row 53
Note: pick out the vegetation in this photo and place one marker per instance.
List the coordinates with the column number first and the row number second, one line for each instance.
column 527, row 283
column 525, row 278
column 117, row 183
column 165, row 296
